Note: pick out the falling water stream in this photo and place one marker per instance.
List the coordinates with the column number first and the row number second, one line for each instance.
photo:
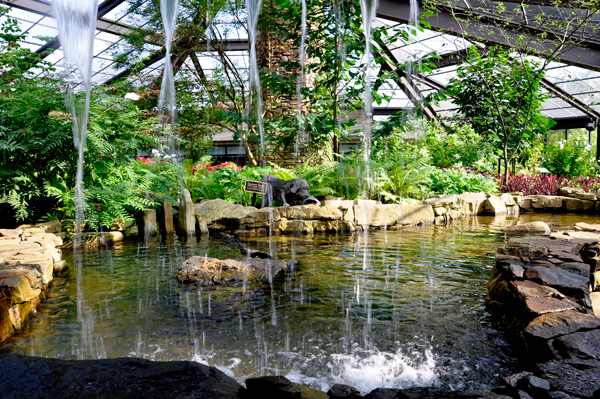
column 399, row 309
column 302, row 139
column 76, row 22
column 166, row 101
column 253, row 8
column 368, row 9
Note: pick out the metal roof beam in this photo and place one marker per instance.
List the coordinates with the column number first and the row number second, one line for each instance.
column 487, row 29
column 554, row 3
column 567, row 97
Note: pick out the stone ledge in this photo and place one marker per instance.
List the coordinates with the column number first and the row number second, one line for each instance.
column 29, row 257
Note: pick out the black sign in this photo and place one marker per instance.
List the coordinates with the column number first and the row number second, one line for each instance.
column 255, row 187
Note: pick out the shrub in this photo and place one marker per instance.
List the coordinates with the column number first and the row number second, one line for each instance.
column 570, row 158
column 460, row 180
column 545, row 184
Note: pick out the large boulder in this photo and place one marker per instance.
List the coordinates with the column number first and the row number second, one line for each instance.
column 561, row 279
column 311, row 212
column 211, row 271
column 221, row 213
column 473, row 203
column 495, row 205
column 31, row 377
column 579, row 378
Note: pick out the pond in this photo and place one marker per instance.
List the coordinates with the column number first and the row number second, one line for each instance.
column 393, row 308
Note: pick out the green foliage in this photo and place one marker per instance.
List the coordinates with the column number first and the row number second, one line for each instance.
column 459, row 180
column 570, row 158
column 459, row 146
column 500, row 96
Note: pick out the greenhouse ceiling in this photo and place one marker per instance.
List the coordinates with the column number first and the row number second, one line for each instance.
column 572, row 79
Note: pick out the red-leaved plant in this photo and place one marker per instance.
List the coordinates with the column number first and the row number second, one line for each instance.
column 545, row 184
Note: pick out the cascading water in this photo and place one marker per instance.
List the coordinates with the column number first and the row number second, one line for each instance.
column 166, row 101
column 368, row 8
column 76, row 22
column 302, row 139
column 253, row 8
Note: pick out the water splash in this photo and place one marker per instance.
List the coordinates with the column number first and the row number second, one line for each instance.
column 253, row 8
column 367, row 370
column 368, row 9
column 302, row 139
column 166, row 101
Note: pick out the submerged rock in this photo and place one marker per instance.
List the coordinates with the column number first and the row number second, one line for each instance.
column 31, row 377
column 212, row 271
column 532, row 227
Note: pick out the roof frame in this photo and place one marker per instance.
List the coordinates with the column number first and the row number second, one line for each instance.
column 485, row 29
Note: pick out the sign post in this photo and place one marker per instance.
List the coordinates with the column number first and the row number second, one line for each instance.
column 255, row 187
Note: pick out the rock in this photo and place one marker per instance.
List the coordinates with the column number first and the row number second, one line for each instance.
column 150, row 223
column 579, row 345
column 495, row 206
column 338, row 203
column 551, row 325
column 508, row 199
column 570, row 191
column 539, row 306
column 211, row 271
column 10, row 232
column 561, row 279
column 581, row 269
column 310, row 212
column 595, row 299
column 311, row 226
column 339, row 391
column 53, row 226
column 549, row 203
column 119, row 225
column 414, row 214
column 363, row 202
column 222, row 212
column 186, row 215
column 511, row 270
column 96, row 239
column 586, row 196
column 587, row 227
column 60, row 266
column 382, row 393
column 264, row 217
column 450, row 201
column 271, row 387
column 438, row 393
column 168, row 217
column 577, row 205
column 454, row 214
column 551, row 245
column 18, row 289
column 534, row 385
column 439, row 211
column 513, row 209
column 531, row 227
column 473, row 203
column 28, row 377
column 376, row 215
column 513, row 380
column 579, row 378
column 201, row 224
column 528, row 289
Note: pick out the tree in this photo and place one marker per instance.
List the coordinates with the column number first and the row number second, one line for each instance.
column 501, row 98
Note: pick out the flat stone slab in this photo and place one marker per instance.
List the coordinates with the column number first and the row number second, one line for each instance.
column 549, row 243
column 551, row 325
column 561, row 279
column 30, row 377
column 580, row 378
column 212, row 271
column 529, row 289
column 587, row 227
column 310, row 212
column 532, row 227
column 579, row 345
column 540, row 306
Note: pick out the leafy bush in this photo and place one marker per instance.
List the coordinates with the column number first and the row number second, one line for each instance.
column 460, row 180
column 545, row 184
column 460, row 145
column 570, row 158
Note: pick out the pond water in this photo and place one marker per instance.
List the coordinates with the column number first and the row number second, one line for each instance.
column 393, row 308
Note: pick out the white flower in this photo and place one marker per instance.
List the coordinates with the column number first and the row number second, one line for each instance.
column 132, row 96
column 456, row 156
column 155, row 152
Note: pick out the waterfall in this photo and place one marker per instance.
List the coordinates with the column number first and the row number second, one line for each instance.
column 166, row 101
column 302, row 139
column 76, row 21
column 368, row 8
column 253, row 8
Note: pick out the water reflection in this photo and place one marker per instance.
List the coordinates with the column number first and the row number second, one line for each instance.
column 388, row 308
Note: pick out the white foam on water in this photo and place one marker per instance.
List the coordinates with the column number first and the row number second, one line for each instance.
column 367, row 370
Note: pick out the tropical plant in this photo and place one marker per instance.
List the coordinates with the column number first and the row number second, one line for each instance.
column 570, row 158
column 460, row 180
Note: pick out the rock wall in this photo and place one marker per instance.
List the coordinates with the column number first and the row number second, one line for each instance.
column 29, row 257
column 544, row 290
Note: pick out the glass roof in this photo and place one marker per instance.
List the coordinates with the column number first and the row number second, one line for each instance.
column 582, row 84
